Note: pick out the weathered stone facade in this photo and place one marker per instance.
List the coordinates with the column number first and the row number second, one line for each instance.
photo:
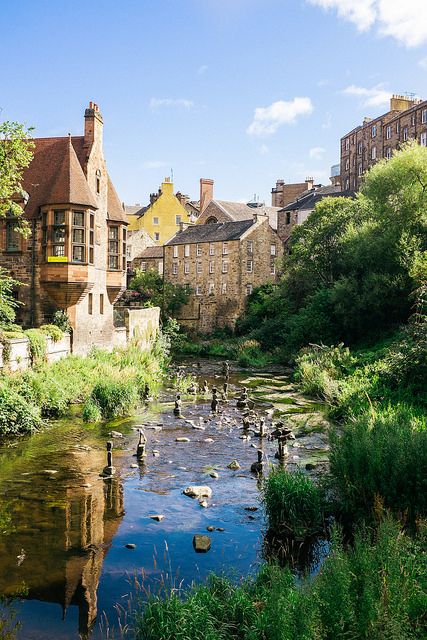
column 377, row 138
column 282, row 194
column 221, row 264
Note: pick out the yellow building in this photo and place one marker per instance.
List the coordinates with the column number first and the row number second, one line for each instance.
column 161, row 219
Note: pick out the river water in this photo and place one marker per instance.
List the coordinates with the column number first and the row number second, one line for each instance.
column 64, row 530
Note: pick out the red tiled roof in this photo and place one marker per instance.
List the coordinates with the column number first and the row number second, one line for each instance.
column 115, row 209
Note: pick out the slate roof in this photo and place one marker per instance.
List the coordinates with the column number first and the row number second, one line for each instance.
column 115, row 209
column 151, row 252
column 242, row 211
column 219, row 232
column 308, row 200
column 132, row 209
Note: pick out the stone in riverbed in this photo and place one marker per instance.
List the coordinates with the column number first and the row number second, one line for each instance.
column 251, row 508
column 130, row 545
column 157, row 517
column 115, row 434
column 201, row 543
column 134, row 466
column 198, row 491
column 208, row 440
column 234, row 465
column 214, row 474
column 182, row 439
column 310, row 466
column 210, row 528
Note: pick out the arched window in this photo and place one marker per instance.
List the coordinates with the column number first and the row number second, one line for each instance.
column 211, row 220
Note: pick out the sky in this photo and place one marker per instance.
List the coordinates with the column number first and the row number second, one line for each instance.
column 240, row 91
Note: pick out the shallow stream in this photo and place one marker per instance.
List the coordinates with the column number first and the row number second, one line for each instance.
column 64, row 530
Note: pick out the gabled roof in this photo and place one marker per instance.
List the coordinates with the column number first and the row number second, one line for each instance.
column 151, row 252
column 242, row 211
column 115, row 209
column 219, row 232
column 308, row 200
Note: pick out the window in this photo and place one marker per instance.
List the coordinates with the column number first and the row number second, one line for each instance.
column 198, row 250
column 113, row 248
column 198, row 289
column 388, row 132
column 373, row 153
column 272, row 249
column 398, row 127
column 413, row 120
column 58, row 233
column 186, row 251
column 423, row 139
column 288, row 217
column 224, row 266
column 101, row 303
column 78, row 248
column 12, row 236
column 143, row 266
column 347, row 144
column 157, row 236
column 211, row 266
column 405, row 134
column 250, row 246
column 211, row 249
column 98, row 180
column 224, row 288
column 347, row 164
column 199, row 267
column 186, row 268
column 175, row 251
column 155, row 220
column 360, row 170
column 124, row 236
column 249, row 266
column 90, row 304
column 424, row 116
column 360, row 148
column 211, row 288
column 374, row 131
column 175, row 268
column 224, row 248
column 347, row 184
column 178, row 220
column 273, row 267
column 388, row 153
column 249, row 289
column 160, row 268
column 91, row 237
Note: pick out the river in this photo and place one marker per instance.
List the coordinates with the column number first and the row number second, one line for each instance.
column 64, row 529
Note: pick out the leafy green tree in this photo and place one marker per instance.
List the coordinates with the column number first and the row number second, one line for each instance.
column 15, row 155
column 150, row 287
column 8, row 304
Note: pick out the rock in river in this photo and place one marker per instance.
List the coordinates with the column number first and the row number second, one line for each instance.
column 201, row 543
column 182, row 439
column 198, row 491
column 234, row 465
column 157, row 517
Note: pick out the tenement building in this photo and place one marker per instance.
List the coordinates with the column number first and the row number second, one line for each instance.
column 75, row 257
column 284, row 193
column 221, row 263
column 377, row 138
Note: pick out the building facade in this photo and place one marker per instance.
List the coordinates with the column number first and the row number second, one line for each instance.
column 282, row 194
column 75, row 257
column 377, row 138
column 221, row 263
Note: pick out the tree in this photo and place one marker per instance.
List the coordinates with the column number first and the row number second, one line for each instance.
column 8, row 304
column 149, row 287
column 15, row 155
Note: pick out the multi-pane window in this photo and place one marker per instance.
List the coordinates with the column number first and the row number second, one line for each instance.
column 78, row 247
column 388, row 132
column 373, row 153
column 249, row 289
column 224, row 248
column 360, row 170
column 273, row 267
column 249, row 266
column 91, row 237
column 175, row 269
column 413, row 120
column 113, row 247
column 360, row 148
column 186, row 251
column 347, row 164
column 424, row 116
column 211, row 266
column 12, row 236
column 374, row 131
column 211, row 288
column 198, row 250
column 272, row 249
column 124, row 237
column 224, row 266
column 224, row 288
column 186, row 268
column 347, row 184
column 199, row 267
column 347, row 144
column 198, row 289
column 143, row 266
column 405, row 134
column 211, row 249
column 250, row 246
column 58, row 233
column 423, row 139
column 175, row 251
column 388, row 153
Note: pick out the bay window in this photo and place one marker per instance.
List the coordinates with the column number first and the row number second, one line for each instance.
column 113, row 248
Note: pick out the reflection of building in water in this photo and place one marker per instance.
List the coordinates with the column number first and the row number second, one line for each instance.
column 64, row 524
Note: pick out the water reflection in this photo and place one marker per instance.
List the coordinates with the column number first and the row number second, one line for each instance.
column 60, row 525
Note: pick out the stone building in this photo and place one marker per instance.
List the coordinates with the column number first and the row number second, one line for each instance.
column 75, row 258
column 283, row 194
column 221, row 263
column 377, row 138
column 150, row 258
column 138, row 241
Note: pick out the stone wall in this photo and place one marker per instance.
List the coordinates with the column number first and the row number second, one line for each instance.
column 142, row 325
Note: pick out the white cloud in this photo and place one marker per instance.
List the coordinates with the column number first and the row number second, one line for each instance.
column 201, row 70
column 317, row 153
column 375, row 97
column 404, row 20
column 268, row 119
column 264, row 149
column 157, row 103
column 154, row 164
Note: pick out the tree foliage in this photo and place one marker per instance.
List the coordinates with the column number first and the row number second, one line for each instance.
column 15, row 155
column 150, row 288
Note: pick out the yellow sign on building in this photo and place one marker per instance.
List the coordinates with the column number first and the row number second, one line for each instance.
column 57, row 259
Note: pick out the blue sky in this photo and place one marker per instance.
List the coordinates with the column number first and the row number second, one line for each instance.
column 241, row 91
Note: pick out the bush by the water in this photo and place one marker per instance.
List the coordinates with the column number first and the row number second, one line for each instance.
column 17, row 415
column 376, row 590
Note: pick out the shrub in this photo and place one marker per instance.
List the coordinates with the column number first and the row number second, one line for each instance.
column 91, row 411
column 61, row 320
column 52, row 331
column 17, row 415
column 294, row 504
column 38, row 346
column 115, row 398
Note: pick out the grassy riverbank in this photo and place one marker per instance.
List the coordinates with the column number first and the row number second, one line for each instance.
column 108, row 385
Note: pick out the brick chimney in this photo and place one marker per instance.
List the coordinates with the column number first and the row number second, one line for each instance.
column 206, row 192
column 93, row 125
column 309, row 183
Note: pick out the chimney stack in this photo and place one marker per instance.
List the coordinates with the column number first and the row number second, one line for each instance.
column 93, row 125
column 309, row 183
column 206, row 192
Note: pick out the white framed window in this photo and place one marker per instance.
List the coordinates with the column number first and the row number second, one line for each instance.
column 178, row 220
column 347, row 144
column 186, row 268
column 423, row 139
column 224, row 248
column 272, row 249
column 198, row 250
column 198, row 289
column 360, row 148
column 273, row 268
column 424, row 116
column 211, row 266
column 211, row 249
column 347, row 164
column 157, row 236
column 360, row 170
column 199, row 267
column 249, row 289
column 224, row 266
column 374, row 153
column 211, row 288
column 224, row 288
column 405, row 134
column 250, row 246
column 388, row 153
column 398, row 127
column 175, row 268
column 155, row 220
column 160, row 268
column 413, row 119
column 143, row 266
column 388, row 132
column 374, row 131
column 186, row 251
column 175, row 251
column 249, row 266
column 347, row 184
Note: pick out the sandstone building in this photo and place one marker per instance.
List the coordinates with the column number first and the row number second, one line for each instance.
column 221, row 263
column 283, row 194
column 75, row 258
column 377, row 138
